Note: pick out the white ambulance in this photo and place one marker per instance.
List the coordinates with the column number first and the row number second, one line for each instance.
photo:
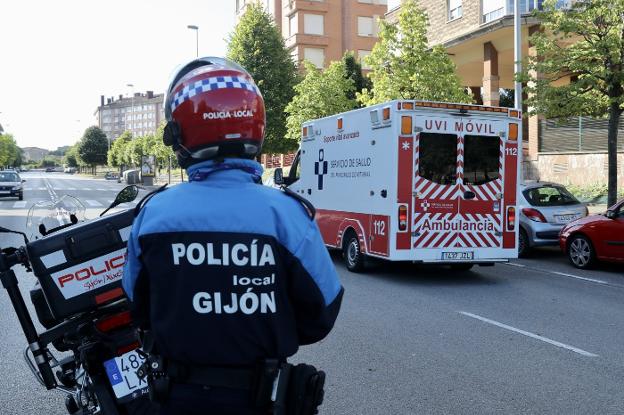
column 414, row 181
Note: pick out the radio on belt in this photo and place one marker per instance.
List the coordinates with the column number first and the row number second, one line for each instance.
column 80, row 267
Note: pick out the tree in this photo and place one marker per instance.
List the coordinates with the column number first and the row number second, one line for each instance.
column 116, row 152
column 318, row 95
column 586, row 43
column 93, row 147
column 353, row 71
column 10, row 153
column 405, row 67
column 258, row 46
column 71, row 158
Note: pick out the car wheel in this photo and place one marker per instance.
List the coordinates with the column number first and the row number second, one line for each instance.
column 523, row 244
column 581, row 252
column 21, row 196
column 465, row 266
column 353, row 256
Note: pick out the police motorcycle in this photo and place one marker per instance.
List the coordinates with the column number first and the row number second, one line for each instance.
column 79, row 301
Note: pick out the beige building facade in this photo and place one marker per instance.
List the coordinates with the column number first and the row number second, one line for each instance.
column 321, row 31
column 479, row 37
column 141, row 114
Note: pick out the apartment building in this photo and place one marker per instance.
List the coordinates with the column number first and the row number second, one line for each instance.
column 141, row 114
column 479, row 37
column 321, row 31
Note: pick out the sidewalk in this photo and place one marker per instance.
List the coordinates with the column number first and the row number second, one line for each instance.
column 596, row 209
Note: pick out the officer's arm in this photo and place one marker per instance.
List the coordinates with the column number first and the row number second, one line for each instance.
column 315, row 292
column 135, row 279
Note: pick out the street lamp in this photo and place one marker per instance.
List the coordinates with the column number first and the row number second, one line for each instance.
column 196, row 29
column 132, row 111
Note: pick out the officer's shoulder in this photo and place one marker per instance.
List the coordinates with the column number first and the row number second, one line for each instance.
column 288, row 202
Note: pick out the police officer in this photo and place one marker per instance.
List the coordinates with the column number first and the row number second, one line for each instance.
column 224, row 272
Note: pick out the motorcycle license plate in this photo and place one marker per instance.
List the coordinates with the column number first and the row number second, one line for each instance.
column 457, row 256
column 122, row 376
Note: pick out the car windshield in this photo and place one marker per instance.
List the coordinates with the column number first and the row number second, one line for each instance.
column 549, row 196
column 8, row 177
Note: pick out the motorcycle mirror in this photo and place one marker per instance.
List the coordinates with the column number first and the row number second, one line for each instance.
column 127, row 194
column 6, row 230
column 278, row 176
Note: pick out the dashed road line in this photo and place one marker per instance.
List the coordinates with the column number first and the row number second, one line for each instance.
column 561, row 274
column 529, row 334
column 93, row 203
column 18, row 205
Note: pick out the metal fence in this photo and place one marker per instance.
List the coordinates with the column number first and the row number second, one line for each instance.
column 580, row 134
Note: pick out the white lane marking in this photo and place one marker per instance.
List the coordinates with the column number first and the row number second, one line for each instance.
column 109, row 201
column 529, row 334
column 29, row 188
column 93, row 203
column 101, row 190
column 42, row 188
column 85, row 188
column 17, row 205
column 579, row 278
column 71, row 188
column 562, row 274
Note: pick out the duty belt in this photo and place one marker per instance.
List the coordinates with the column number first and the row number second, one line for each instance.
column 225, row 377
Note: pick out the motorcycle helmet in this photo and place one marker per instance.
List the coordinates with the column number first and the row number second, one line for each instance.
column 213, row 109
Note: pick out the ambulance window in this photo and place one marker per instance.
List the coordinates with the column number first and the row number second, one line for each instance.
column 438, row 157
column 481, row 159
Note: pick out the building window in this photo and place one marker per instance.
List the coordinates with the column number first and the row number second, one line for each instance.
column 315, row 55
column 365, row 1
column 365, row 26
column 313, row 24
column 454, row 9
column 293, row 24
column 492, row 10
column 361, row 55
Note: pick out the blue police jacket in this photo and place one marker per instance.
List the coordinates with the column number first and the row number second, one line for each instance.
column 226, row 271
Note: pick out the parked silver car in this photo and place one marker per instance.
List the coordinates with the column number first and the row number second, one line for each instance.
column 544, row 209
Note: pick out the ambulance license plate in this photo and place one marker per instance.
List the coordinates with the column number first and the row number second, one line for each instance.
column 457, row 256
column 122, row 376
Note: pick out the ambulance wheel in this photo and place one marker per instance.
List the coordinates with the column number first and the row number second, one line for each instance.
column 462, row 267
column 353, row 256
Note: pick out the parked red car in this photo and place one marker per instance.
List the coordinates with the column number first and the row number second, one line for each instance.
column 595, row 237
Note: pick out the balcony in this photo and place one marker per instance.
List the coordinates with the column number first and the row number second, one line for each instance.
column 506, row 7
column 294, row 6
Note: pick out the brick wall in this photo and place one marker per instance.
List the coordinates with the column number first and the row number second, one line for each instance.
column 440, row 30
column 271, row 161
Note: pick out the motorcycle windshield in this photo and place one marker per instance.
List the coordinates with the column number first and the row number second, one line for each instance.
column 46, row 216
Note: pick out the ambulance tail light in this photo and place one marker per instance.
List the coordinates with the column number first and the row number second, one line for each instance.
column 406, row 125
column 511, row 219
column 402, row 218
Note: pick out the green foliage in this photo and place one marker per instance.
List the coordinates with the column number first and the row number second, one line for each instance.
column 405, row 67
column 318, row 95
column 353, row 71
column 71, row 157
column 93, row 146
column 60, row 151
column 10, row 153
column 586, row 42
column 116, row 152
column 257, row 45
column 592, row 194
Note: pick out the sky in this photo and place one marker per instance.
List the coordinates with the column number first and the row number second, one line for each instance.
column 58, row 57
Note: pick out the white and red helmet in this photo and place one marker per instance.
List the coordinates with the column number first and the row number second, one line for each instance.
column 213, row 108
